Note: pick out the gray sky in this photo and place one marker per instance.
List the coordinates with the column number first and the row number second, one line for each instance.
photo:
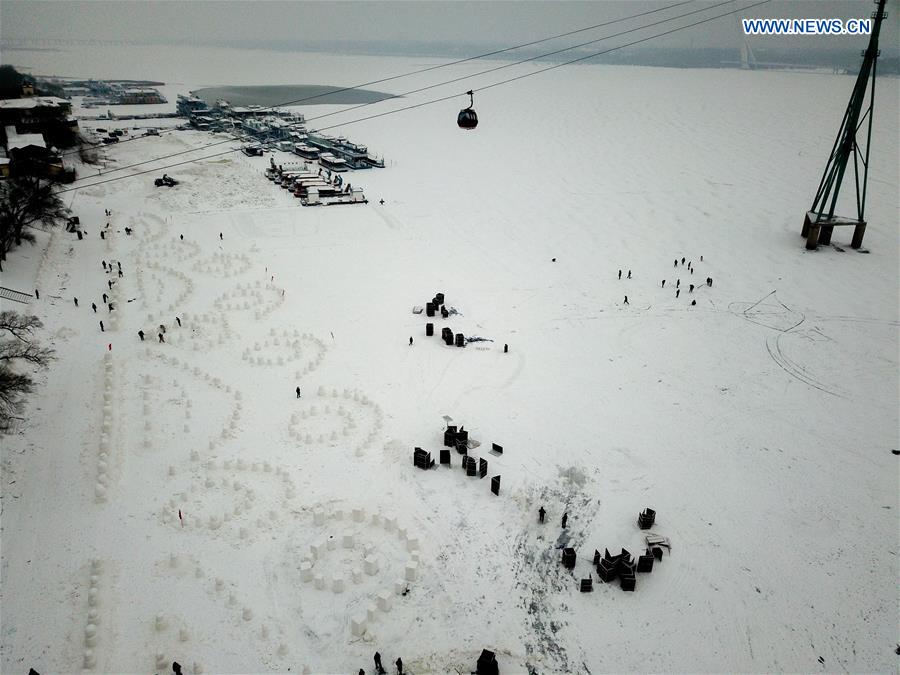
column 497, row 23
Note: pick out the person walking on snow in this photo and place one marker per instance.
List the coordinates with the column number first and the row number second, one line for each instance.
column 220, row 236
column 94, row 307
column 76, row 301
column 541, row 514
column 298, row 392
column 664, row 283
column 102, row 329
column 378, row 667
column 565, row 519
column 410, row 341
column 399, row 663
column 677, row 293
column 178, row 321
column 626, row 299
column 629, row 274
column 161, row 338
column 141, row 335
column 620, row 275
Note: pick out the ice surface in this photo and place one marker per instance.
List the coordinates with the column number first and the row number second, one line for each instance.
column 758, row 423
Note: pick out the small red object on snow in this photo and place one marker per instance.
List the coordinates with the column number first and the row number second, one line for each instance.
column 109, row 346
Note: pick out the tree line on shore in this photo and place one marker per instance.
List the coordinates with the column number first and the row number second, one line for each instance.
column 27, row 201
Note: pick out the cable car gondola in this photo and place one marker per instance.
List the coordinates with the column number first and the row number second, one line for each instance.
column 467, row 119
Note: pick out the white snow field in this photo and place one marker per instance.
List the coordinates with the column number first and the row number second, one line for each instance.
column 759, row 423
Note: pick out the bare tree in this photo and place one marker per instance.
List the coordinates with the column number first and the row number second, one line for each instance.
column 32, row 353
column 26, row 201
column 20, row 349
column 21, row 326
column 87, row 151
column 13, row 388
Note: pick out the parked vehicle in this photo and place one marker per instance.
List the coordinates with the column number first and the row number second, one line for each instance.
column 165, row 181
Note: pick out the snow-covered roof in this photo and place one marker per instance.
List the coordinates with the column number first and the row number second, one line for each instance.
column 4, row 160
column 24, row 140
column 33, row 102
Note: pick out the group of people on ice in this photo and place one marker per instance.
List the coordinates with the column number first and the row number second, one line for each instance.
column 379, row 669
column 685, row 263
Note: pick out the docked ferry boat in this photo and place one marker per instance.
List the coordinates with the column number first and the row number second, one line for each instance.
column 329, row 161
column 306, row 151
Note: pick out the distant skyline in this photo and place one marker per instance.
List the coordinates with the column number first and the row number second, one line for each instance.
column 399, row 25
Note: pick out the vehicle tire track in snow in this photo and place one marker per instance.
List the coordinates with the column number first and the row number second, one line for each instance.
column 773, row 346
column 773, row 342
column 391, row 221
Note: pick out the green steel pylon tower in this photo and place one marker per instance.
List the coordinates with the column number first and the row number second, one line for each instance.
column 820, row 220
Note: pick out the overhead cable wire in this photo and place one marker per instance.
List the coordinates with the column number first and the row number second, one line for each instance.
column 448, row 64
column 437, row 100
column 420, row 89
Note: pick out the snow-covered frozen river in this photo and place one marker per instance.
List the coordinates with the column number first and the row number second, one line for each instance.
column 177, row 501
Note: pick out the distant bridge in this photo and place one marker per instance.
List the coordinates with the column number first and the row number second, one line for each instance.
column 25, row 42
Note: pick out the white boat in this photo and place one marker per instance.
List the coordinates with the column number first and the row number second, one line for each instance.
column 329, row 161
